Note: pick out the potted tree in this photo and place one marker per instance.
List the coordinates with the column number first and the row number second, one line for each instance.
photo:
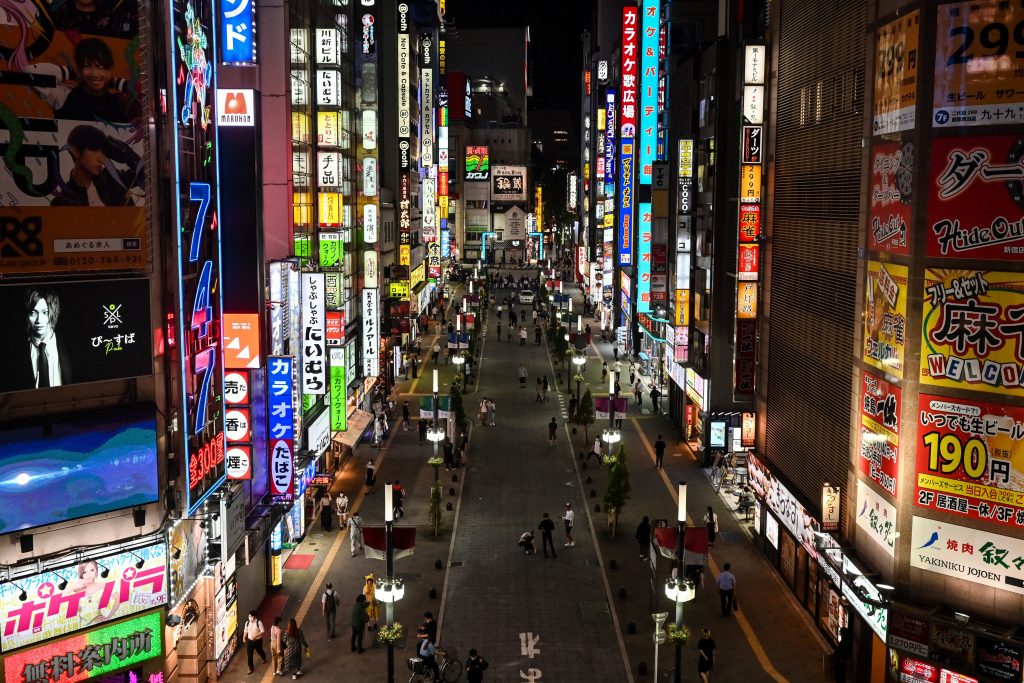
column 616, row 492
column 585, row 414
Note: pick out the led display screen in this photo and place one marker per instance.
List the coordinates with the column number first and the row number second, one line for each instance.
column 71, row 467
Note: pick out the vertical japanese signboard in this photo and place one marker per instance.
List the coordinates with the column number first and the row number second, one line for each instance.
column 973, row 330
column 627, row 135
column 880, row 404
column 889, row 202
column 979, row 64
column 896, row 62
column 313, row 347
column 970, row 459
column 976, row 197
column 647, row 140
column 885, row 316
column 281, row 424
column 198, row 247
column 876, row 517
column 238, row 398
column 339, row 411
column 748, row 227
column 371, row 332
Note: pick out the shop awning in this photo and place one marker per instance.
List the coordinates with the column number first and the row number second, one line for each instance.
column 357, row 424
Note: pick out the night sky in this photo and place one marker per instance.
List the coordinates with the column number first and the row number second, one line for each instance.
column 555, row 47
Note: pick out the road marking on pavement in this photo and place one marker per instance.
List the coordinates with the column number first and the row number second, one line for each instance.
column 748, row 631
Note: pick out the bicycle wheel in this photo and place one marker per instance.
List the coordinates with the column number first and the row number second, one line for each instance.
column 452, row 671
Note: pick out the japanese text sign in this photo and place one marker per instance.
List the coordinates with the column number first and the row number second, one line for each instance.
column 880, row 404
column 896, row 62
column 627, row 133
column 979, row 64
column 647, row 133
column 889, row 204
column 970, row 459
column 885, row 316
column 339, row 412
column 90, row 654
column 876, row 517
column 281, row 422
column 973, row 555
column 976, row 198
column 313, row 352
column 973, row 330
column 241, row 340
column 371, row 332
column 238, row 32
column 88, row 599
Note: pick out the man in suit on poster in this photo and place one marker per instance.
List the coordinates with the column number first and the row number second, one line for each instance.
column 40, row 358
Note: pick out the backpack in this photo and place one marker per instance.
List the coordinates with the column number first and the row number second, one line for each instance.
column 331, row 603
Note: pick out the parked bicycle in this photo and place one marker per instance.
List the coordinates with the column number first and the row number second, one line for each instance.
column 447, row 663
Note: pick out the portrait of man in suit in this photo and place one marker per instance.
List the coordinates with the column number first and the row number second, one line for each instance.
column 41, row 359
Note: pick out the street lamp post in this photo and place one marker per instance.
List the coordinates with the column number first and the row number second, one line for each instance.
column 578, row 360
column 390, row 590
column 435, row 434
column 460, row 363
column 679, row 589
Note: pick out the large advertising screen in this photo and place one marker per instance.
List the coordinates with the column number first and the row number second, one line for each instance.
column 65, row 468
column 885, row 316
column 880, row 405
column 976, row 198
column 64, row 333
column 189, row 546
column 970, row 459
column 972, row 330
column 88, row 598
column 73, row 99
column 89, row 655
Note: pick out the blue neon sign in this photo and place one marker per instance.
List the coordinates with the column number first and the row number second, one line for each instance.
column 238, row 32
column 647, row 139
column 624, row 240
column 643, row 266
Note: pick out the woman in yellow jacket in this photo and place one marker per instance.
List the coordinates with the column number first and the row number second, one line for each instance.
column 373, row 607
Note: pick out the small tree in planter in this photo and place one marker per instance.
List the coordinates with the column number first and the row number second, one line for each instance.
column 616, row 492
column 457, row 409
column 585, row 414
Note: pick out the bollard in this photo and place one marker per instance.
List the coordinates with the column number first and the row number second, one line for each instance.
column 612, row 564
column 438, row 564
column 631, row 628
column 622, row 594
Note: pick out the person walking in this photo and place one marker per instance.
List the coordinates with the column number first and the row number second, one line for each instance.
column 421, row 428
column 659, row 452
column 547, row 529
column 326, row 507
column 508, row 334
column 522, row 375
column 277, row 647
column 538, row 387
column 595, row 452
column 483, row 411
column 522, row 336
column 449, row 454
column 655, row 395
column 490, row 411
column 638, row 393
column 615, row 351
column 341, row 508
column 604, row 371
column 397, row 498
column 553, row 432
column 632, row 372
column 253, row 636
column 727, row 590
column 711, row 522
column 429, row 626
column 435, row 352
column 643, row 537
column 536, row 334
column 294, row 644
column 372, row 607
column 706, row 649
column 475, row 667
column 371, row 476
column 405, row 416
column 544, row 389
column 499, row 330
column 355, row 532
column 415, row 366
column 358, row 622
column 568, row 518
column 329, row 603
column 618, row 369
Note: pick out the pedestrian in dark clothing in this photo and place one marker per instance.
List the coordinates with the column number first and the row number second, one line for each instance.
column 429, row 626
column 294, row 643
column 422, row 426
column 449, row 454
column 475, row 667
column 536, row 334
column 544, row 392
column 329, row 602
column 547, row 528
column 573, row 404
column 405, row 416
column 415, row 366
column 711, row 522
column 842, row 654
column 553, row 432
column 659, row 452
column 643, row 537
column 706, row 647
column 655, row 395
column 358, row 622
column 615, row 350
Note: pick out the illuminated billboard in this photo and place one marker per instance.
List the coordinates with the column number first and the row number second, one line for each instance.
column 508, row 184
column 61, row 468
column 647, row 140
column 478, row 163
column 87, row 599
column 65, row 333
column 75, row 167
column 627, row 134
column 89, row 655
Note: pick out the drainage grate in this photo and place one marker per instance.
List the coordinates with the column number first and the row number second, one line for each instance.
column 456, row 563
column 595, row 612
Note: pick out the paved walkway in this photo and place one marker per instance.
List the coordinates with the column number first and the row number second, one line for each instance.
column 559, row 620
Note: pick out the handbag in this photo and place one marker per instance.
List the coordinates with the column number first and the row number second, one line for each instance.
column 309, row 651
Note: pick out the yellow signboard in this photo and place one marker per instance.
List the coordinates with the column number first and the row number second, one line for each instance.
column 885, row 316
column 399, row 290
column 750, row 183
column 417, row 275
column 896, row 59
column 404, row 254
column 746, row 300
column 682, row 307
column 330, row 209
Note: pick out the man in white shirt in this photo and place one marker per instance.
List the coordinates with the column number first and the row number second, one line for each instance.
column 253, row 636
column 329, row 603
column 341, row 505
column 569, row 517
column 727, row 590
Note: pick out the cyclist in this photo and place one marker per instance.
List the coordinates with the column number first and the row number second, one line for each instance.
column 428, row 653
